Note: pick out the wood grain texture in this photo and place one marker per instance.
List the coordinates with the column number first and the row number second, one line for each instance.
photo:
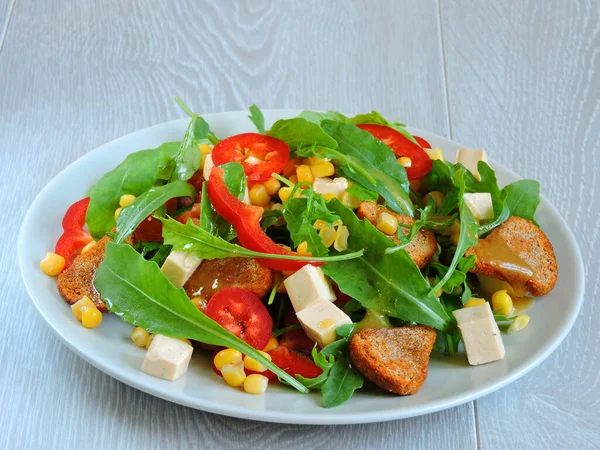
column 524, row 82
column 6, row 7
column 76, row 74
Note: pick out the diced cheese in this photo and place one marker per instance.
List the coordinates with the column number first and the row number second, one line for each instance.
column 435, row 153
column 308, row 285
column 179, row 267
column 480, row 334
column 167, row 358
column 328, row 186
column 208, row 165
column 470, row 158
column 480, row 204
column 320, row 320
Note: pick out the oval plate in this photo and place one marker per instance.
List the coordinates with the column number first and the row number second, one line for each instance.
column 451, row 381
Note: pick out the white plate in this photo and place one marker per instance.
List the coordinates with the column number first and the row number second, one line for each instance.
column 451, row 381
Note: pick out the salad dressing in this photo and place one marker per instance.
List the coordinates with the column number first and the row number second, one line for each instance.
column 205, row 283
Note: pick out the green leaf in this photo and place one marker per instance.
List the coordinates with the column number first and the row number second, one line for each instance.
column 523, row 198
column 342, row 379
column 135, row 175
column 322, row 361
column 257, row 118
column 146, row 204
column 376, row 118
column 299, row 132
column 362, row 193
column 300, row 226
column 390, row 284
column 140, row 294
column 187, row 160
column 318, row 117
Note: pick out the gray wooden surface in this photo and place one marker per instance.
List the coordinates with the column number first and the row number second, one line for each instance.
column 518, row 78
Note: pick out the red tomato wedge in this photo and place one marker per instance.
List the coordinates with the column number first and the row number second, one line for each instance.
column 292, row 363
column 420, row 161
column 243, row 314
column 259, row 154
column 74, row 237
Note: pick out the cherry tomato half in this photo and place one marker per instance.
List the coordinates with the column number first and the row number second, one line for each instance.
column 420, row 161
column 259, row 154
column 243, row 314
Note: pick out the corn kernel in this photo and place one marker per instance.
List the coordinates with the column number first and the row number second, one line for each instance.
column 405, row 161
column 91, row 317
column 272, row 344
column 437, row 196
column 118, row 212
column 205, row 149
column 276, row 206
column 52, row 264
column 454, row 237
column 328, row 236
column 322, row 170
column 272, row 186
column 329, row 196
column 303, row 249
column 126, row 200
column 294, row 179
column 314, row 160
column 186, row 340
column 199, row 302
column 320, row 224
column 434, row 153
column 290, row 168
column 227, row 356
column 259, row 196
column 252, row 364
column 284, row 193
column 88, row 247
column 387, row 223
column 350, row 200
column 474, row 301
column 304, row 173
column 80, row 305
column 149, row 340
column 139, row 336
column 341, row 238
column 256, row 384
column 233, row 375
column 520, row 322
column 337, row 223
column 502, row 303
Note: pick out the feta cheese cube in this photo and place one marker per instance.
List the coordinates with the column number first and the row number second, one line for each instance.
column 308, row 285
column 320, row 319
column 336, row 186
column 480, row 334
column 179, row 267
column 167, row 358
column 208, row 165
column 470, row 158
column 480, row 204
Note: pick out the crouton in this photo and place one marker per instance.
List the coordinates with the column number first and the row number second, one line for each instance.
column 395, row 359
column 528, row 243
column 423, row 246
column 214, row 275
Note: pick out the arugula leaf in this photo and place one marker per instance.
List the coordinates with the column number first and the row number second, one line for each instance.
column 135, row 175
column 257, row 118
column 523, row 198
column 342, row 379
column 187, row 160
column 299, row 132
column 362, row 193
column 140, row 294
column 376, row 118
column 318, row 117
column 387, row 283
column 322, row 361
column 146, row 204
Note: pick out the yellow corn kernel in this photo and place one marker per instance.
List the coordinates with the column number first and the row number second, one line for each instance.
column 439, row 292
column 320, row 224
column 337, row 223
column 474, row 301
column 256, row 384
column 139, row 336
column 186, row 340
column 387, row 223
column 404, row 161
column 126, row 200
column 303, row 249
column 252, row 364
column 294, row 179
column 350, row 200
column 234, row 375
column 304, row 173
column 454, row 237
column 149, row 340
column 227, row 356
column 328, row 236
column 52, row 264
column 328, row 197
column 205, row 149
column 88, row 247
column 437, row 196
column 314, row 160
column 276, row 206
column 272, row 186
column 341, row 238
column 258, row 195
column 199, row 302
column 520, row 322
column 80, row 305
column 91, row 317
column 434, row 153
column 323, row 169
column 284, row 193
column 502, row 303
column 118, row 212
column 272, row 344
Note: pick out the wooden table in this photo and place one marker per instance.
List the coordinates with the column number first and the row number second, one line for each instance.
column 520, row 78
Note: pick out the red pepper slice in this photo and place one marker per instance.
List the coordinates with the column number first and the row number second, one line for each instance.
column 74, row 237
column 246, row 221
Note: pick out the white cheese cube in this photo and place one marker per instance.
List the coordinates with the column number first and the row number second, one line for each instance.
column 470, row 158
column 307, row 286
column 167, row 358
column 480, row 334
column 336, row 186
column 320, row 320
column 179, row 267
column 208, row 165
column 480, row 204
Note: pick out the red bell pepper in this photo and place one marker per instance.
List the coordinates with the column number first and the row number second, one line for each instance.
column 246, row 221
column 74, row 237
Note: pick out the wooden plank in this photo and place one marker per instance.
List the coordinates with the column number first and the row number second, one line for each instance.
column 79, row 73
column 6, row 7
column 523, row 82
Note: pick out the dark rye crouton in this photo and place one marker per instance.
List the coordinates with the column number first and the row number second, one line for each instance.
column 423, row 246
column 395, row 359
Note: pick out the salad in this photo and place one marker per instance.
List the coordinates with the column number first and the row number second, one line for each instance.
column 320, row 253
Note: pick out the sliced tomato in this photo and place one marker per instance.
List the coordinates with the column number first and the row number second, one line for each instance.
column 292, row 363
column 259, row 154
column 243, row 314
column 420, row 161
